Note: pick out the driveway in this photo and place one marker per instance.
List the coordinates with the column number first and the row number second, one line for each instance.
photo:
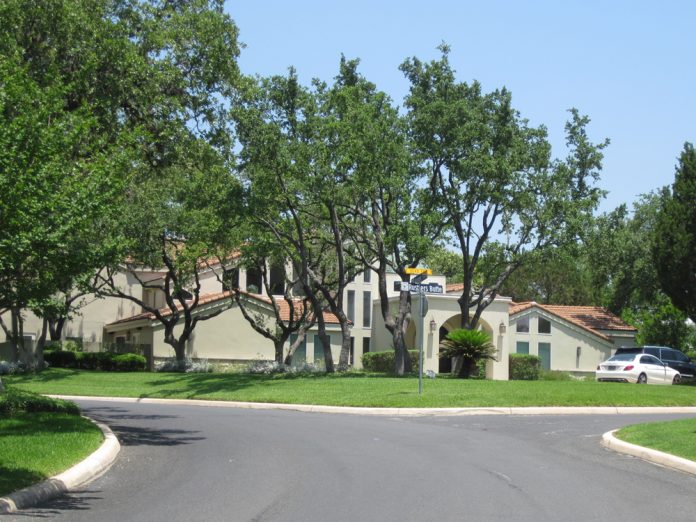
column 210, row 463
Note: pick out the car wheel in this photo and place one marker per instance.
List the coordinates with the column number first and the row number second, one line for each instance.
column 642, row 379
column 677, row 379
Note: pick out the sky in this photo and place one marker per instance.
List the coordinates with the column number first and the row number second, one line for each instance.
column 629, row 66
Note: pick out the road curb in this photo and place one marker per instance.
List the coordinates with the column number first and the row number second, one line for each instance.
column 400, row 412
column 656, row 457
column 81, row 473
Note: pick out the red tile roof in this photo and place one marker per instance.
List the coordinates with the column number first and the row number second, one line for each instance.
column 590, row 318
column 454, row 288
column 204, row 299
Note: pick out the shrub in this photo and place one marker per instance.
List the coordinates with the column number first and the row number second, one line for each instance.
column 383, row 362
column 555, row 375
column 524, row 367
column 272, row 367
column 15, row 401
column 60, row 358
column 95, row 360
column 470, row 346
column 187, row 365
column 129, row 362
column 10, row 368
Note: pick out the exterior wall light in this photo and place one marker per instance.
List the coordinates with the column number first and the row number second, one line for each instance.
column 502, row 328
column 433, row 325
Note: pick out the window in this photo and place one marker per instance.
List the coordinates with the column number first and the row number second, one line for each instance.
column 367, row 309
column 523, row 325
column 230, row 279
column 366, row 344
column 366, row 275
column 544, row 326
column 351, row 357
column 522, row 347
column 277, row 280
column 350, row 312
column 253, row 280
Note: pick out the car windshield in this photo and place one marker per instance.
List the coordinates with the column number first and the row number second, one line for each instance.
column 622, row 357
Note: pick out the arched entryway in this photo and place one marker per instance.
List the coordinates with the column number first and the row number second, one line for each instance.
column 446, row 364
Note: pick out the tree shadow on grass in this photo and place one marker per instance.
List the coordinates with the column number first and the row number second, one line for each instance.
column 12, row 479
column 50, row 375
column 195, row 385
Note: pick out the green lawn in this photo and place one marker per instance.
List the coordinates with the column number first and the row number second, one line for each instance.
column 35, row 446
column 675, row 437
column 352, row 389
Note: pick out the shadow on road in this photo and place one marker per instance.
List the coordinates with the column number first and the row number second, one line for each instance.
column 77, row 501
column 129, row 435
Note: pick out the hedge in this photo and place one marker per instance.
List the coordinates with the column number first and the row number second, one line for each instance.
column 524, row 367
column 60, row 358
column 16, row 401
column 383, row 362
column 129, row 362
column 106, row 361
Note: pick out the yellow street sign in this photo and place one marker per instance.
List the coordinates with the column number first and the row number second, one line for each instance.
column 427, row 271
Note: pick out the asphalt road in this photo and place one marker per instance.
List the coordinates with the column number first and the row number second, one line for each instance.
column 187, row 463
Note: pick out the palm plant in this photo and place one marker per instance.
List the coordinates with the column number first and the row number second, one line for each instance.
column 470, row 346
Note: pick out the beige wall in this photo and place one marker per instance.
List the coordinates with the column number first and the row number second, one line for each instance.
column 572, row 348
column 444, row 311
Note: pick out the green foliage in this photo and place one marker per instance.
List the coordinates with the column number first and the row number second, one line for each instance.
column 470, row 346
column 674, row 249
column 129, row 362
column 61, row 358
column 105, row 361
column 492, row 174
column 14, row 401
column 383, row 362
column 524, row 367
column 95, row 360
column 659, row 323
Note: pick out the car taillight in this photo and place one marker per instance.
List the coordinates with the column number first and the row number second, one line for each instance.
column 628, row 368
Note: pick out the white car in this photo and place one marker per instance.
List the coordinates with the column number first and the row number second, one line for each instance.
column 637, row 367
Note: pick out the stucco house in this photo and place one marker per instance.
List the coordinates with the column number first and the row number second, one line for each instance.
column 566, row 338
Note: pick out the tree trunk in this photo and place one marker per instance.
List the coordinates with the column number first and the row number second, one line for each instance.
column 55, row 328
column 279, row 344
column 326, row 343
column 40, row 343
column 402, row 360
column 465, row 367
column 344, row 358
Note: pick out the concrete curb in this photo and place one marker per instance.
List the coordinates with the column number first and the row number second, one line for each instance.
column 81, row 473
column 400, row 412
column 656, row 457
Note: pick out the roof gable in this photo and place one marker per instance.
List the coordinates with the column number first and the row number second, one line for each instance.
column 593, row 319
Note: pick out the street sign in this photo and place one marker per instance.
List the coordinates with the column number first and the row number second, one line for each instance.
column 426, row 271
column 426, row 288
column 418, row 279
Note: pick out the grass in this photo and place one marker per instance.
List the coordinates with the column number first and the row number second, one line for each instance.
column 675, row 437
column 40, row 437
column 351, row 389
